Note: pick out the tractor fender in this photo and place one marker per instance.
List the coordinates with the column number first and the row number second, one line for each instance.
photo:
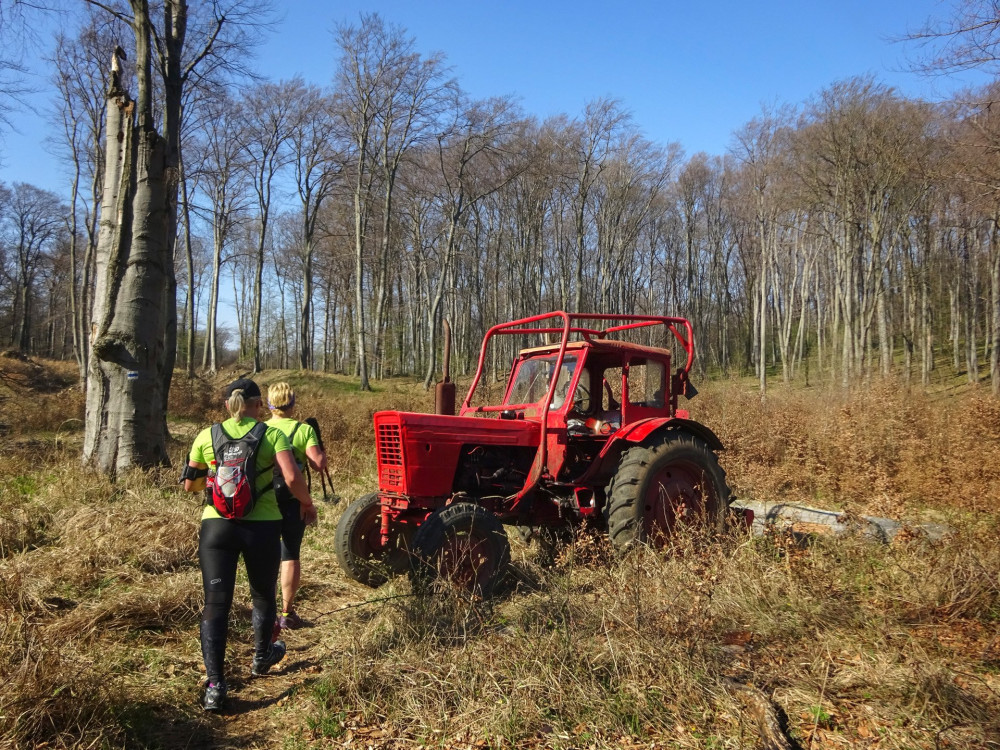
column 638, row 432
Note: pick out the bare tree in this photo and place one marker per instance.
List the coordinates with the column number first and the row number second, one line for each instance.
column 14, row 30
column 969, row 38
column 589, row 145
column 368, row 52
column 267, row 115
column 222, row 164
column 475, row 159
column 971, row 167
column 757, row 147
column 417, row 94
column 31, row 226
column 317, row 168
column 134, row 322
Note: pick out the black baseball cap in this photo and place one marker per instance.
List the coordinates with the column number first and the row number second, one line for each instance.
column 250, row 389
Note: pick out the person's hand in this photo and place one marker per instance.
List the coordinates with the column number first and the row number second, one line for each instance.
column 308, row 513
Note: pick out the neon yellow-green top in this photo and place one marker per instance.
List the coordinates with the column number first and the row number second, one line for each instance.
column 266, row 507
column 304, row 437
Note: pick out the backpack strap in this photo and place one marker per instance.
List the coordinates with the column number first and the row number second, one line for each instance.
column 256, row 435
column 219, row 436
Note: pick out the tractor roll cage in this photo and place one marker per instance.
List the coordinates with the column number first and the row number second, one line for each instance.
column 626, row 323
column 521, row 327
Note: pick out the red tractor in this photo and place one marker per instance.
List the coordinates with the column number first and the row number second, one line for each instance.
column 587, row 431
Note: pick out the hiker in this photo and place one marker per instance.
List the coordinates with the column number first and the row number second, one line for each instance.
column 305, row 447
column 241, row 516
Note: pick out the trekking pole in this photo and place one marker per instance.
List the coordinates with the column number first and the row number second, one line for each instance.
column 324, row 475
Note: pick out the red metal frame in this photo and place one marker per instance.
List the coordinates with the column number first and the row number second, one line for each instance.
column 521, row 327
column 517, row 327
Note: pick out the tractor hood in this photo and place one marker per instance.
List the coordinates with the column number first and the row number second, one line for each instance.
column 418, row 453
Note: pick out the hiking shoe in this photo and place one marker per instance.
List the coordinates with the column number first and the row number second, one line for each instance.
column 275, row 654
column 215, row 696
column 290, row 621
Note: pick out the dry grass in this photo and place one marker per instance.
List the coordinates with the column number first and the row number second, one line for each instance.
column 863, row 645
column 192, row 398
column 884, row 450
column 641, row 651
column 39, row 396
column 87, row 566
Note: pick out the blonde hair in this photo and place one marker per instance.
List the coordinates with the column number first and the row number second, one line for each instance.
column 280, row 398
column 237, row 404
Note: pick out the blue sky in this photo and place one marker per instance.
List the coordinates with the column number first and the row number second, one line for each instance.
column 688, row 72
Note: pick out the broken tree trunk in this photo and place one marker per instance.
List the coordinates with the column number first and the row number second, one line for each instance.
column 125, row 417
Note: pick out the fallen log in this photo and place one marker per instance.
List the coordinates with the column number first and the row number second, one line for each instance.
column 816, row 521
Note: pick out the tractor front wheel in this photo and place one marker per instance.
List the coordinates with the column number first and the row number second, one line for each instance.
column 463, row 544
column 661, row 486
column 358, row 543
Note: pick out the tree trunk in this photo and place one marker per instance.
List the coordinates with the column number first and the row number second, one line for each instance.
column 258, row 289
column 884, row 341
column 126, row 421
column 971, row 321
column 189, row 263
column 927, row 335
column 762, row 320
column 75, row 302
column 24, row 329
column 306, row 359
column 209, row 360
column 359, row 286
column 995, row 312
column 956, row 327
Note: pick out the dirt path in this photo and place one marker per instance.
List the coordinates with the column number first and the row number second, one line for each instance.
column 273, row 711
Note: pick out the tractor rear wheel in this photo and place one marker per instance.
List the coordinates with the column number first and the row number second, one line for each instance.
column 660, row 486
column 358, row 543
column 463, row 544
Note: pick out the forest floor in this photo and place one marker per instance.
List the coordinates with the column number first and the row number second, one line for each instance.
column 845, row 642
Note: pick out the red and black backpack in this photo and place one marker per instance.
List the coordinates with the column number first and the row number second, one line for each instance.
column 232, row 477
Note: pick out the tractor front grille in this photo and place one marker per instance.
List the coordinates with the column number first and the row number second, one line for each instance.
column 389, row 444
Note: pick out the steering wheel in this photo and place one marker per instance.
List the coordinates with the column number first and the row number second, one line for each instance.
column 581, row 396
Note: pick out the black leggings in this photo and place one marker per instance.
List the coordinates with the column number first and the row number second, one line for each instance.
column 220, row 545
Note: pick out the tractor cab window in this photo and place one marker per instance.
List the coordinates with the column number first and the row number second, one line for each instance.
column 531, row 383
column 581, row 395
column 646, row 383
column 563, row 379
column 611, row 389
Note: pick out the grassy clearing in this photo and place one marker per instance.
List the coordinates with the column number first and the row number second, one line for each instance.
column 640, row 653
column 861, row 645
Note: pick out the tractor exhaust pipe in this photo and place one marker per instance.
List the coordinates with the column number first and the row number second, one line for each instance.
column 444, row 392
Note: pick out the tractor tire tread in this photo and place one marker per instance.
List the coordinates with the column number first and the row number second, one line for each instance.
column 370, row 572
column 432, row 533
column 623, row 520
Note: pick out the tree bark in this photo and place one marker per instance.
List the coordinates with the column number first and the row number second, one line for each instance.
column 126, row 420
column 995, row 312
